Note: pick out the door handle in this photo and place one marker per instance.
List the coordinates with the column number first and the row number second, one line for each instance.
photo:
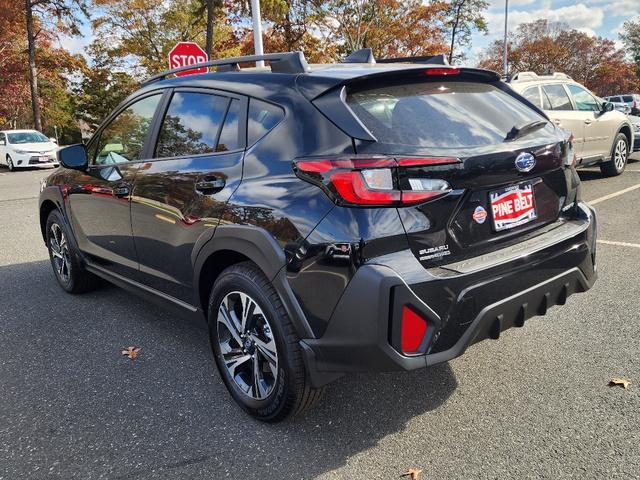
column 210, row 185
column 587, row 121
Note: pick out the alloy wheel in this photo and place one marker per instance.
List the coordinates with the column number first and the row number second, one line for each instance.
column 10, row 163
column 620, row 154
column 61, row 256
column 247, row 345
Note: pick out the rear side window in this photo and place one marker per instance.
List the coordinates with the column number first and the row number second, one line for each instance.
column 558, row 98
column 263, row 117
column 440, row 114
column 627, row 98
column 533, row 95
column 191, row 124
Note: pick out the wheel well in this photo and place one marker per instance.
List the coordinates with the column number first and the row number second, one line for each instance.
column 211, row 270
column 45, row 209
column 627, row 133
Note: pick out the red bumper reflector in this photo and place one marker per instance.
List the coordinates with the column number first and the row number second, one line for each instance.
column 413, row 329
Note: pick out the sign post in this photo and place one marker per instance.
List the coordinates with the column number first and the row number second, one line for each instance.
column 187, row 53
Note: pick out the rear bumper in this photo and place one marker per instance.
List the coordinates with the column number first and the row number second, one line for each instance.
column 464, row 303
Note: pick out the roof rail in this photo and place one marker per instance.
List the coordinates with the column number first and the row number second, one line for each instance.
column 288, row 62
column 365, row 55
column 525, row 76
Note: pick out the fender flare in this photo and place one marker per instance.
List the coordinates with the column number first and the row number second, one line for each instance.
column 51, row 194
column 259, row 246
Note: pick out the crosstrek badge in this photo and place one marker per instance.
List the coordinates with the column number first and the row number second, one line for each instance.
column 512, row 206
column 479, row 214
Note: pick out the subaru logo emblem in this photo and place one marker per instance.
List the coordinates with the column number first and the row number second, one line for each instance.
column 525, row 162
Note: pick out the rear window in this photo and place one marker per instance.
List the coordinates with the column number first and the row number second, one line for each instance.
column 440, row 114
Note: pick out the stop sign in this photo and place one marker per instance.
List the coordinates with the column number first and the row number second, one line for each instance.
column 187, row 53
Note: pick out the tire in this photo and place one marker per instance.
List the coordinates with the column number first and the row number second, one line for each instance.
column 65, row 259
column 10, row 164
column 619, row 157
column 282, row 389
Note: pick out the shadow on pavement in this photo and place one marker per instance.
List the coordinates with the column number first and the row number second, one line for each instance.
column 74, row 407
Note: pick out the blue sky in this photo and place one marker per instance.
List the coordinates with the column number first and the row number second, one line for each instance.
column 596, row 17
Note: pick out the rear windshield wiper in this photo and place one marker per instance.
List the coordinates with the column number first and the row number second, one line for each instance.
column 517, row 132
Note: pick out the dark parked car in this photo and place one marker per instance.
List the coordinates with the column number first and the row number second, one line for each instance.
column 327, row 219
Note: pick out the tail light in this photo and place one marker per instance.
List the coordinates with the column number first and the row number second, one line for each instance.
column 442, row 71
column 413, row 330
column 373, row 181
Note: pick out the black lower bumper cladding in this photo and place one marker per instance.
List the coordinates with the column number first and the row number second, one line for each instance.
column 463, row 305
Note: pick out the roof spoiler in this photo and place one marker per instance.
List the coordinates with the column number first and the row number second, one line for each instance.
column 288, row 62
column 365, row 55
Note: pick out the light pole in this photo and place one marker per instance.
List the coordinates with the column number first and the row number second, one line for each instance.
column 504, row 53
column 257, row 30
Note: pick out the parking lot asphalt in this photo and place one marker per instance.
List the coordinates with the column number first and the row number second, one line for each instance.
column 534, row 404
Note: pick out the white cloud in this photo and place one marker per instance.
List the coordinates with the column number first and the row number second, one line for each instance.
column 578, row 16
column 75, row 45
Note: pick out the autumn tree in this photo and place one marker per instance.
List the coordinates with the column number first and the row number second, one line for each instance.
column 144, row 31
column 462, row 18
column 65, row 13
column 391, row 28
column 545, row 47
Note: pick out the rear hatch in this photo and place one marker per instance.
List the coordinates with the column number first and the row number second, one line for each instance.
column 502, row 160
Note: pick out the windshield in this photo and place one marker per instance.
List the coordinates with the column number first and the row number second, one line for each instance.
column 440, row 114
column 27, row 137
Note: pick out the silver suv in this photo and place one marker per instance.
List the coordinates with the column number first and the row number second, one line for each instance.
column 631, row 100
column 601, row 135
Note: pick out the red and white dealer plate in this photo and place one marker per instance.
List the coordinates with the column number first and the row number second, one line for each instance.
column 512, row 206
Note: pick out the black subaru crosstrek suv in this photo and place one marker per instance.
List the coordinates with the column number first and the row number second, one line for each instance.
column 326, row 219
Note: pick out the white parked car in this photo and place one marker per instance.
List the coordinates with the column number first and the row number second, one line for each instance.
column 603, row 136
column 27, row 148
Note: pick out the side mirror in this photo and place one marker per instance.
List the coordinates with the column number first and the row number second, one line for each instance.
column 74, row 157
column 53, row 140
column 607, row 107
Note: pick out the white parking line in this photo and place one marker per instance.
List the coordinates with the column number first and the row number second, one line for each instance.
column 613, row 195
column 619, row 244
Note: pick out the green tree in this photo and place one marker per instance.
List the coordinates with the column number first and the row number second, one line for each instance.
column 462, row 18
column 102, row 87
column 630, row 36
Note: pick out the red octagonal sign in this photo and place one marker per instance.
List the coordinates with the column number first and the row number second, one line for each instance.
column 185, row 54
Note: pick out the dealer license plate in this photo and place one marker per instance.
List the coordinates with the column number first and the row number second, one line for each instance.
column 512, row 206
column 43, row 159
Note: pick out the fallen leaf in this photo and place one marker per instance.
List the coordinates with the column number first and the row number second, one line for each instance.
column 413, row 473
column 623, row 382
column 131, row 352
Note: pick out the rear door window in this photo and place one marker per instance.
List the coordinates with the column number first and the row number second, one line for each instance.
column 440, row 114
column 558, row 98
column 533, row 95
column 191, row 125
column 627, row 98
